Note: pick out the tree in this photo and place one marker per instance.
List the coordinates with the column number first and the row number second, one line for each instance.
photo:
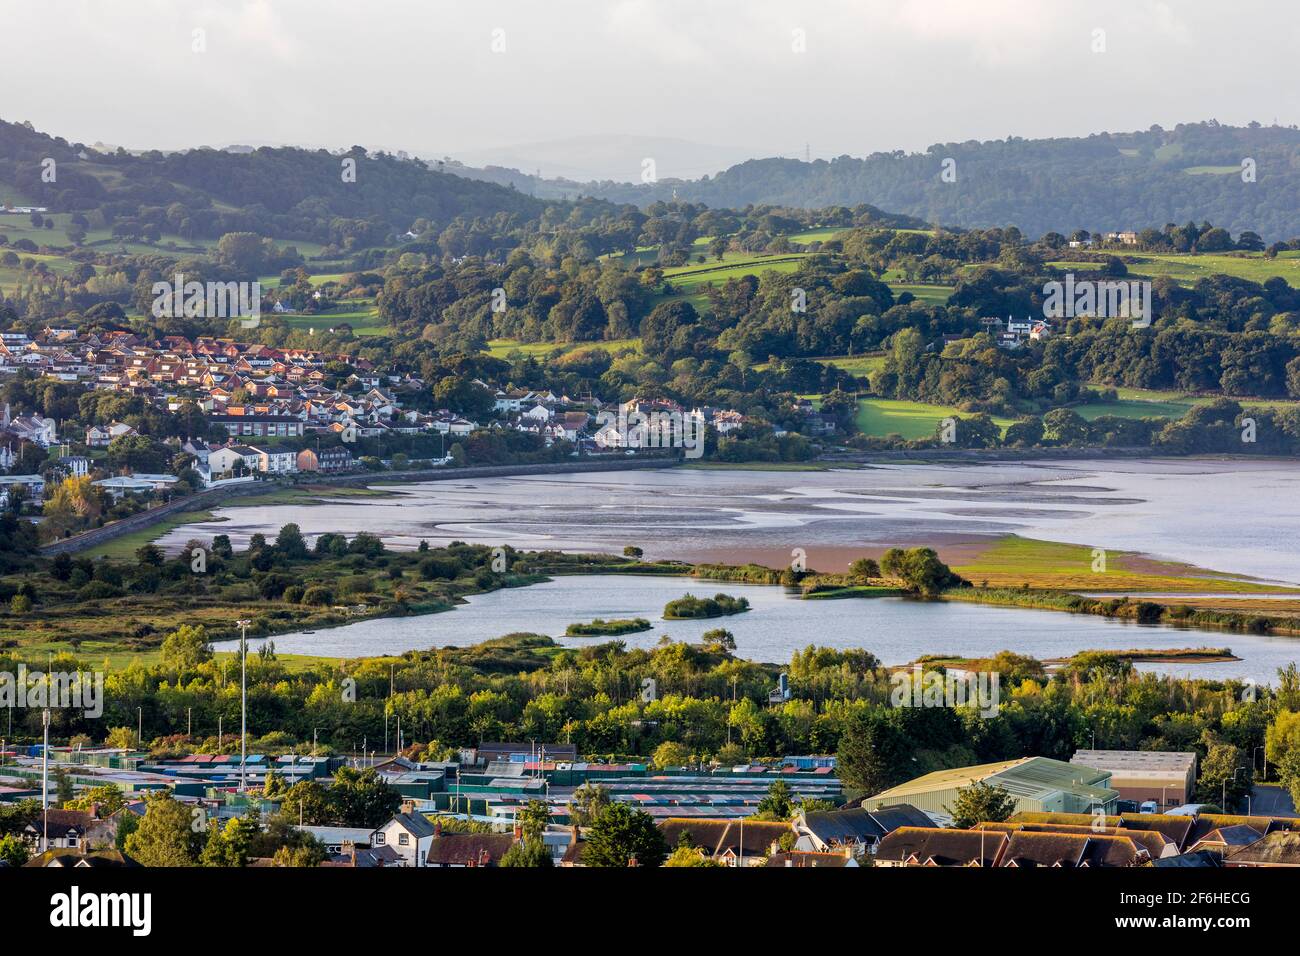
column 167, row 835
column 1282, row 736
column 229, row 845
column 920, row 570
column 863, row 570
column 530, row 853
column 108, row 799
column 621, row 834
column 776, row 804
column 309, row 802
column 689, row 856
column 587, row 803
column 186, row 648
column 981, row 803
column 671, row 754
column 534, row 819
column 1225, row 777
column 290, row 542
column 150, row 556
column 13, row 850
column 75, row 503
column 632, row 551
column 361, row 798
column 870, row 753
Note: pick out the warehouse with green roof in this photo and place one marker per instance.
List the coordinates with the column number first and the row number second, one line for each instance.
column 1038, row 785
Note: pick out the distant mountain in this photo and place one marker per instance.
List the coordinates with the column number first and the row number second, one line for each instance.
column 1101, row 182
column 617, row 159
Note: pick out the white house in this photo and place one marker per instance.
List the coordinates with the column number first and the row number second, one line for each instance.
column 225, row 460
column 408, row 834
column 99, row 436
column 274, row 461
column 77, row 466
column 31, row 428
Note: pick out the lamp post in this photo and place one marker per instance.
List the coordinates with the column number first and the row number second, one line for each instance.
column 1252, row 759
column 1225, row 789
column 243, row 704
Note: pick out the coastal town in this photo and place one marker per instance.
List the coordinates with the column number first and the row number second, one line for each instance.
column 283, row 412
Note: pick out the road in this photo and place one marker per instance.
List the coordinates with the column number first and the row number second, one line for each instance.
column 1271, row 801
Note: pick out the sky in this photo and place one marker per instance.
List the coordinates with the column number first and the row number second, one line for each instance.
column 477, row 78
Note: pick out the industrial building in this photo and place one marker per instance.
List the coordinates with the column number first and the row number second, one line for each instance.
column 1167, row 777
column 1038, row 784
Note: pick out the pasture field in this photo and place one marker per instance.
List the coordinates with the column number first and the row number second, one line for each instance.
column 361, row 314
column 1130, row 408
column 923, row 292
column 1187, row 268
column 888, row 416
column 502, row 348
column 1011, row 561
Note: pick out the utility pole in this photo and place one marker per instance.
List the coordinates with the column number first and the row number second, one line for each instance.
column 189, row 721
column 139, row 727
column 218, row 733
column 45, row 783
column 243, row 705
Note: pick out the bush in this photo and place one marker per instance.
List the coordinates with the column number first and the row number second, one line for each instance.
column 98, row 590
column 293, row 594
column 435, row 569
column 318, row 596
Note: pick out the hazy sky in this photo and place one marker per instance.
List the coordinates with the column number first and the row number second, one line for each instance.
column 422, row 75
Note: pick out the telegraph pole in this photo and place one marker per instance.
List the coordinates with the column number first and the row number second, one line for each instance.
column 45, row 783
column 243, row 705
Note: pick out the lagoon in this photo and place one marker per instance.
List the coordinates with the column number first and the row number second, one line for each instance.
column 896, row 630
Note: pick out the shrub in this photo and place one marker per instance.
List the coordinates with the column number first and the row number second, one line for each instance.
column 318, row 596
column 98, row 590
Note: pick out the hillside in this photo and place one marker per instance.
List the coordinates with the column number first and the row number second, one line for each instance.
column 1100, row 183
column 283, row 192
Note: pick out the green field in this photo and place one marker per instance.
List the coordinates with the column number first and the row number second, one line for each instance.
column 923, row 292
column 502, row 348
column 1158, row 403
column 1187, row 268
column 361, row 314
column 1133, row 409
column 887, row 416
column 1012, row 561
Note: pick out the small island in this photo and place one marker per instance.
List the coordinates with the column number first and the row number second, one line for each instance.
column 690, row 607
column 601, row 627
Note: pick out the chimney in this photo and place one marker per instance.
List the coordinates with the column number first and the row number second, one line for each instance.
column 519, row 833
column 437, row 828
column 631, row 861
column 408, row 806
column 789, row 861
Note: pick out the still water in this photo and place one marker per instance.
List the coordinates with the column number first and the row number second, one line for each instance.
column 895, row 630
column 1227, row 515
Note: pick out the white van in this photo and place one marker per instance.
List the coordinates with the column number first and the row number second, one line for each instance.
column 1148, row 806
